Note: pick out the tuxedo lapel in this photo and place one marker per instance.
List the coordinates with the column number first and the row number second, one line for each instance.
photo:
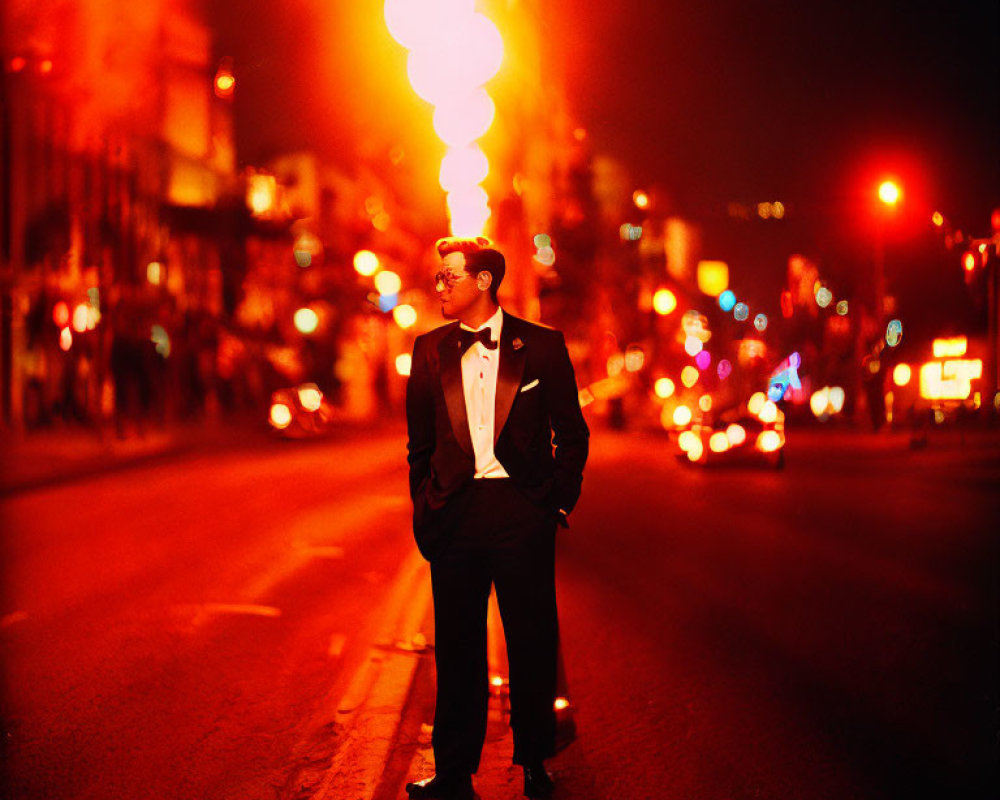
column 512, row 358
column 450, row 352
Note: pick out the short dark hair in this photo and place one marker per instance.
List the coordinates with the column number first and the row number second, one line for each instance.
column 480, row 256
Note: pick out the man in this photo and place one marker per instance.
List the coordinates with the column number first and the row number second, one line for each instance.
column 497, row 445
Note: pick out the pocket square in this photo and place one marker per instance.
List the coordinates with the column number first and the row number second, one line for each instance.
column 531, row 385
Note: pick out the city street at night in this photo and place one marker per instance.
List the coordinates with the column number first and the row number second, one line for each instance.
column 616, row 386
column 194, row 626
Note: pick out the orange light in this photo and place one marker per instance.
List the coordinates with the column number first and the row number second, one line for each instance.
column 403, row 363
column 306, row 321
column 365, row 262
column 225, row 83
column 462, row 121
column 682, row 416
column 281, row 416
column 949, row 380
column 937, row 218
column 687, row 440
column 45, row 67
column 641, row 199
column 954, row 347
column 664, row 387
column 713, row 277
column 65, row 339
column 497, row 681
column 310, row 397
column 463, row 167
column 388, row 283
column 901, row 374
column 689, row 376
column 664, row 302
column 404, row 315
column 970, row 261
column 718, row 442
column 768, row 441
column 560, row 704
column 473, row 42
column 60, row 314
column 80, row 318
column 889, row 193
column 262, row 191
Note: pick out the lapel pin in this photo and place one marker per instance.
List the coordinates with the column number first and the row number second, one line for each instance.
column 518, row 344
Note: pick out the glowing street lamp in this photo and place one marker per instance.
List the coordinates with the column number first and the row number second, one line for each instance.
column 889, row 192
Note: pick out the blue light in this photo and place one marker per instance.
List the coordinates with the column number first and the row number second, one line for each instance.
column 727, row 300
column 387, row 302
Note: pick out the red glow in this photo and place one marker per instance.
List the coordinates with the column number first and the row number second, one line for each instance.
column 45, row 67
column 17, row 63
column 786, row 304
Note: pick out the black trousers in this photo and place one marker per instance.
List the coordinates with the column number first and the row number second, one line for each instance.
column 505, row 540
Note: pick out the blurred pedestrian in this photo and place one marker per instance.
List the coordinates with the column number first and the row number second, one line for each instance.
column 497, row 445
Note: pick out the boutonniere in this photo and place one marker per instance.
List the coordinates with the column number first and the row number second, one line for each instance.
column 518, row 344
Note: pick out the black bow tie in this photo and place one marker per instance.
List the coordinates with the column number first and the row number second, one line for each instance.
column 468, row 338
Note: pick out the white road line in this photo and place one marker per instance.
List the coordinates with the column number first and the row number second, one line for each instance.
column 240, row 608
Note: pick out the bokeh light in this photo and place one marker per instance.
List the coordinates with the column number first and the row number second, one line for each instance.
column 310, row 397
column 65, row 339
column 724, row 369
column 664, row 302
column 894, row 333
column 682, row 416
column 736, row 434
column 463, row 167
column 404, row 315
column 718, row 442
column 365, row 262
column 459, row 122
column 760, row 322
column 689, row 376
column 693, row 345
column 901, row 374
column 823, row 297
column 888, row 192
column 664, row 388
column 703, row 359
column 741, row 312
column 842, row 308
column 306, row 321
column 756, row 403
column 388, row 283
column 403, row 363
column 705, row 403
column 280, row 416
column 727, row 300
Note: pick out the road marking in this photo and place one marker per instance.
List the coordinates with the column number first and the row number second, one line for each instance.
column 327, row 551
column 240, row 608
column 337, row 642
column 13, row 618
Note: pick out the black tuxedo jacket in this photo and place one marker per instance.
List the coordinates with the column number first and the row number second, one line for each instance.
column 540, row 436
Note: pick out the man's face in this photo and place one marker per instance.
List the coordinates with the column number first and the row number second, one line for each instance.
column 456, row 288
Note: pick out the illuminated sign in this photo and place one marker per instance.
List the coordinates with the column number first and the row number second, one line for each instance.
column 950, row 348
column 949, row 380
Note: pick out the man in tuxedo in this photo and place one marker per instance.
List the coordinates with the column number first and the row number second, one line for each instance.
column 497, row 445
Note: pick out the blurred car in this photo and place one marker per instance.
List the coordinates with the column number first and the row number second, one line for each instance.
column 299, row 412
column 752, row 439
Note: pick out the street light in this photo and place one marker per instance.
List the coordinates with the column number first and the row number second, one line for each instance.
column 889, row 192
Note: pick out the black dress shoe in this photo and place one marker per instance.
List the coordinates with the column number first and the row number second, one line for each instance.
column 442, row 787
column 538, row 782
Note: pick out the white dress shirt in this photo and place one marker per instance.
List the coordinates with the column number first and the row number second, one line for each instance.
column 479, row 382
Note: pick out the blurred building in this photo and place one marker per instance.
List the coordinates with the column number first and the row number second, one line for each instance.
column 118, row 177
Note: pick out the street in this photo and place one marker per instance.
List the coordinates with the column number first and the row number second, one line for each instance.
column 187, row 628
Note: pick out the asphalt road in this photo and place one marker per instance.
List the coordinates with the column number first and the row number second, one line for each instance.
column 183, row 629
